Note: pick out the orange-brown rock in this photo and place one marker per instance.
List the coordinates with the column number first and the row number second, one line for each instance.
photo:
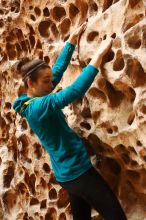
column 110, row 118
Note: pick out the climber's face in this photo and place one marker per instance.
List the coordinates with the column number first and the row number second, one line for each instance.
column 43, row 84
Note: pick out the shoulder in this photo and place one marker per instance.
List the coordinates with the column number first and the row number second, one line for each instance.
column 40, row 107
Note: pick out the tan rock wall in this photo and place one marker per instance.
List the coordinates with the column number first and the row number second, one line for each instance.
column 110, row 118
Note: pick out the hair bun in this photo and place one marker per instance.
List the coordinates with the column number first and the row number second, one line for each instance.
column 21, row 62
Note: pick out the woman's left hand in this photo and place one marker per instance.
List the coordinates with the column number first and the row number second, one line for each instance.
column 74, row 36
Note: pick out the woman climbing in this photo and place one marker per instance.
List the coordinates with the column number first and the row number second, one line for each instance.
column 70, row 161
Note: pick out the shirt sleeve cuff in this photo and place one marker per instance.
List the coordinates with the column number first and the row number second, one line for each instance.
column 92, row 69
column 70, row 45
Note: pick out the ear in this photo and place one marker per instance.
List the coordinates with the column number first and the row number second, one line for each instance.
column 29, row 83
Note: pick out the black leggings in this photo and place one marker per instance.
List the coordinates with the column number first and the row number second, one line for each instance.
column 91, row 190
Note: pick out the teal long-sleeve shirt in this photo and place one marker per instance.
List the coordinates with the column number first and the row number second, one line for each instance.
column 68, row 155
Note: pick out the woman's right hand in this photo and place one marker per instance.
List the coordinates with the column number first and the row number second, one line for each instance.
column 104, row 47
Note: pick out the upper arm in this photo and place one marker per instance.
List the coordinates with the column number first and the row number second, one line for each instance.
column 46, row 105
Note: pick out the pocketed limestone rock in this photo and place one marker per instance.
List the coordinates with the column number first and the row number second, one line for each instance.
column 110, row 118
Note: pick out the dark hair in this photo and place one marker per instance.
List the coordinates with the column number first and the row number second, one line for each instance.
column 29, row 68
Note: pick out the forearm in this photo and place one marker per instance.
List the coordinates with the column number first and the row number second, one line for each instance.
column 62, row 62
column 63, row 59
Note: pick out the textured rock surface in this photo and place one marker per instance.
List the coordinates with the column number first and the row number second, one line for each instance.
column 110, row 117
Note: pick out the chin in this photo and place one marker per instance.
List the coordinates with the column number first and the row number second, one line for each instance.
column 47, row 92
